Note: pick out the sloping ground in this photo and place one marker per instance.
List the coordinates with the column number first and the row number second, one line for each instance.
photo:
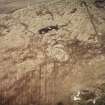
column 48, row 51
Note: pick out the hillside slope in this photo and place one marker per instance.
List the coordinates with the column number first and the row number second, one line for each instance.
column 51, row 50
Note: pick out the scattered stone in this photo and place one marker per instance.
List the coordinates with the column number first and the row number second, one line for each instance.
column 73, row 10
column 100, row 3
column 47, row 29
column 59, row 103
column 58, row 53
